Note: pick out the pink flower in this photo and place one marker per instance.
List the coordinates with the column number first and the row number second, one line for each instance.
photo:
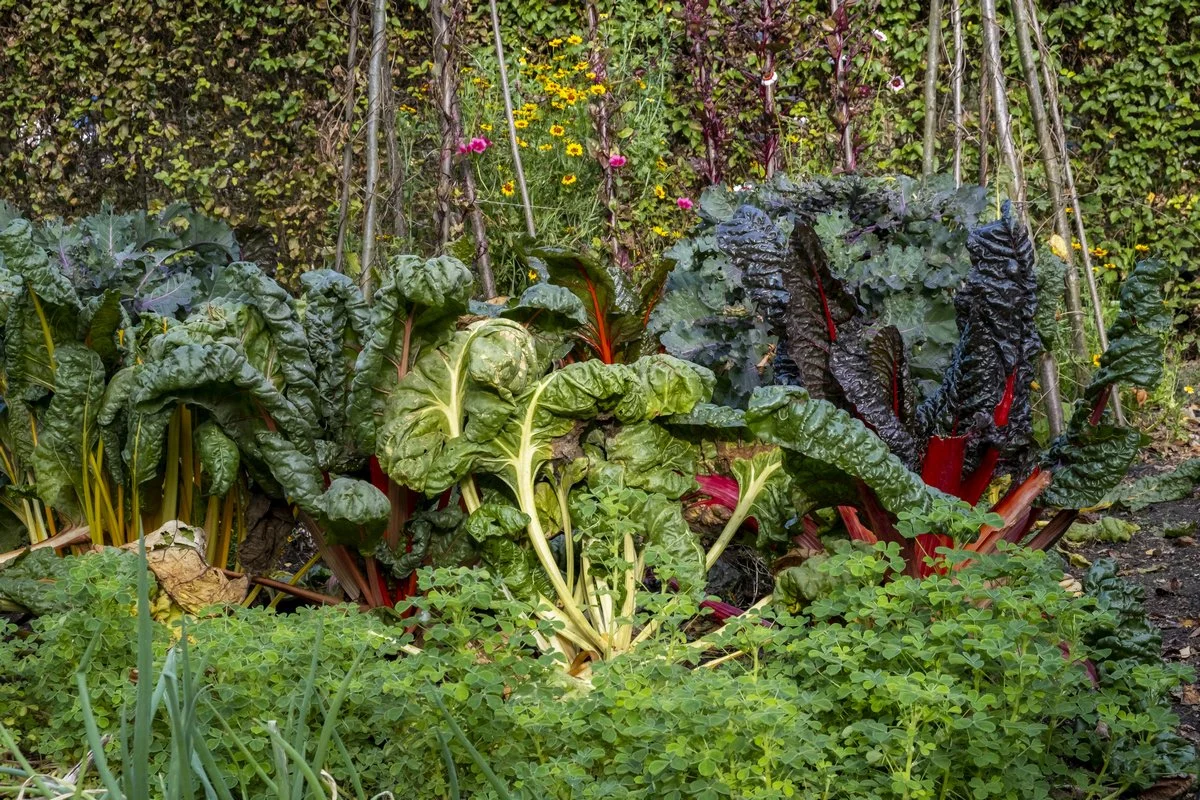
column 479, row 144
column 617, row 161
column 463, row 149
column 896, row 83
column 685, row 203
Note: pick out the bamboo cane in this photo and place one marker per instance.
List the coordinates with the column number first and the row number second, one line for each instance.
column 1008, row 150
column 374, row 97
column 506, row 91
column 932, row 60
column 956, row 87
column 1041, row 125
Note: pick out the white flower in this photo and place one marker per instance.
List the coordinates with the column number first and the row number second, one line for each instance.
column 743, row 187
column 896, row 83
column 880, row 35
column 769, row 80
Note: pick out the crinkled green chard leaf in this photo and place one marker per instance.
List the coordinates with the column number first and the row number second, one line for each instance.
column 219, row 459
column 1089, row 461
column 1135, row 339
column 830, row 448
column 428, row 408
column 272, row 335
column 614, row 323
column 499, row 531
column 350, row 511
column 548, row 306
column 791, row 285
column 215, row 377
column 414, row 311
column 336, row 322
column 43, row 314
column 871, row 366
column 997, row 348
column 434, row 534
column 645, row 456
column 765, row 493
column 69, row 431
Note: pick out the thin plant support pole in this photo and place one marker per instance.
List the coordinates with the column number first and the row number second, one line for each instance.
column 1008, row 150
column 1050, row 162
column 956, row 87
column 770, row 155
column 1060, row 135
column 443, row 82
column 999, row 97
column 985, row 120
column 518, row 167
column 348, row 146
column 374, row 101
column 932, row 61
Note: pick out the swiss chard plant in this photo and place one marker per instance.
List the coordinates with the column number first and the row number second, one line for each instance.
column 846, row 411
column 897, row 245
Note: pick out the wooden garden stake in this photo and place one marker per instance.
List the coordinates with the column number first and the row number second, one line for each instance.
column 956, row 87
column 932, row 60
column 518, row 168
column 443, row 85
column 1008, row 150
column 374, row 98
column 600, row 110
column 1041, row 124
column 1060, row 136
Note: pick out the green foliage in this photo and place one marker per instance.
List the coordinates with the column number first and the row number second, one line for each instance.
column 922, row 687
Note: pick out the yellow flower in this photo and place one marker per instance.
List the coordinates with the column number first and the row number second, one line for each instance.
column 591, row 76
column 1110, row 265
column 551, row 87
column 1069, row 210
column 793, row 138
column 598, row 89
column 1035, row 385
column 574, row 39
column 574, row 149
column 555, row 42
column 545, row 147
column 533, row 276
column 557, row 130
column 1076, row 245
column 570, row 95
column 520, row 124
column 558, row 105
column 658, row 229
column 1189, row 390
column 1150, row 197
column 529, row 107
column 662, row 165
column 485, row 126
column 1142, row 248
column 568, row 179
column 641, row 84
column 522, row 142
column 507, row 189
column 660, row 192
column 1099, row 252
column 580, row 66
column 1095, row 359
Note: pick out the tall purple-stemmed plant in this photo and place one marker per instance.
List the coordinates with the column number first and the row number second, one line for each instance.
column 699, row 28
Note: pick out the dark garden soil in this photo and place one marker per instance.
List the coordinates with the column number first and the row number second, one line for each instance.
column 1168, row 569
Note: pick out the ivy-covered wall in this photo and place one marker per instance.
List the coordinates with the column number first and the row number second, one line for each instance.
column 235, row 105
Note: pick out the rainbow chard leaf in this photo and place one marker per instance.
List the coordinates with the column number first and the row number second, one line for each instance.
column 1091, row 458
column 614, row 319
column 790, row 282
column 985, row 394
column 871, row 367
column 835, row 446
